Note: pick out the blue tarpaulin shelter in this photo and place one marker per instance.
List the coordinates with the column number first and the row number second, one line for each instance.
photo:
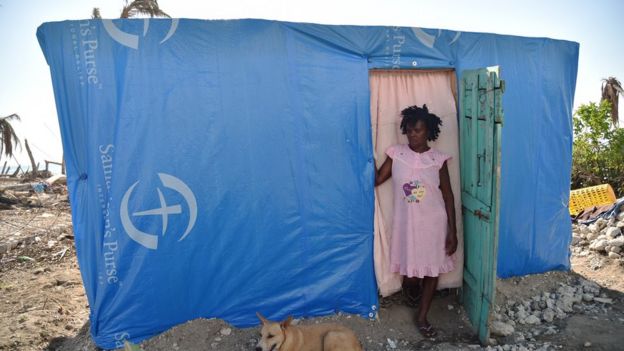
column 219, row 168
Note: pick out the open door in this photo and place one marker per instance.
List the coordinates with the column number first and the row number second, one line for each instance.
column 480, row 117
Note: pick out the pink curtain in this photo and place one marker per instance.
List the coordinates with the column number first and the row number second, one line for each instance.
column 392, row 91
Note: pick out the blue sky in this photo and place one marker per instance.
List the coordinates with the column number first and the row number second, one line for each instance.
column 27, row 89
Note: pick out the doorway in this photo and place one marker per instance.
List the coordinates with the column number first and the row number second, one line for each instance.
column 476, row 142
column 392, row 91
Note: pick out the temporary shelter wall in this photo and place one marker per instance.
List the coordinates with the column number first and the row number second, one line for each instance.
column 219, row 168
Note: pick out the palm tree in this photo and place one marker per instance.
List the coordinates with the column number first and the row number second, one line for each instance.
column 611, row 89
column 136, row 8
column 7, row 135
column 95, row 14
column 142, row 7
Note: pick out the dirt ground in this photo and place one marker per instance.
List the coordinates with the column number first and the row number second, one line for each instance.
column 43, row 304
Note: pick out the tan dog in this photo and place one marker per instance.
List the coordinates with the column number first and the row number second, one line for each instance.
column 318, row 337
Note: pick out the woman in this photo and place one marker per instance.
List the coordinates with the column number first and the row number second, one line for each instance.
column 424, row 236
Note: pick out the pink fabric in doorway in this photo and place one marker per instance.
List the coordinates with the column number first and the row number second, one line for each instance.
column 392, row 91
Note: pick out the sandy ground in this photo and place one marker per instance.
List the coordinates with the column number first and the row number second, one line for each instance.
column 41, row 292
column 43, row 305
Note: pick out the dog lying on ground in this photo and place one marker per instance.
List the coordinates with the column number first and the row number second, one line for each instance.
column 276, row 336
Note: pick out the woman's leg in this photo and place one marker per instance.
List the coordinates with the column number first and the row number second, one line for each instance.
column 411, row 291
column 429, row 285
column 413, row 283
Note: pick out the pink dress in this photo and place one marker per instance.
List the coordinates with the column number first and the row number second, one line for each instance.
column 419, row 225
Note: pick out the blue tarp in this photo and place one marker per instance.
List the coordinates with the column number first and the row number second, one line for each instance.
column 219, row 168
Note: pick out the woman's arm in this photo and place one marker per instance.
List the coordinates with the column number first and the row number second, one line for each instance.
column 449, row 204
column 384, row 172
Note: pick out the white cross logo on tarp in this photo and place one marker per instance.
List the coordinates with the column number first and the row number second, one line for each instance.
column 150, row 241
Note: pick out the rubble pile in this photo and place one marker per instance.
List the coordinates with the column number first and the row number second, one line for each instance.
column 34, row 211
column 518, row 324
column 603, row 239
column 48, row 192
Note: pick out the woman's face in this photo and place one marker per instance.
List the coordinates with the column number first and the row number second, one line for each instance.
column 417, row 133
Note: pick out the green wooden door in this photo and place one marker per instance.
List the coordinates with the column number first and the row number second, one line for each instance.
column 481, row 117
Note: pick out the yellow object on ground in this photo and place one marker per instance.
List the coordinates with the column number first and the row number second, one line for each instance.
column 583, row 198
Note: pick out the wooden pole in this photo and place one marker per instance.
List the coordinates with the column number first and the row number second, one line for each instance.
column 16, row 171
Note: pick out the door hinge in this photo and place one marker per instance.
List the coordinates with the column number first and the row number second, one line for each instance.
column 481, row 215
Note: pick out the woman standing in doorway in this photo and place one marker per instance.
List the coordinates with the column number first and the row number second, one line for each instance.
column 424, row 236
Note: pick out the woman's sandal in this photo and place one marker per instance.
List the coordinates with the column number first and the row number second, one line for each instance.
column 427, row 331
column 385, row 302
